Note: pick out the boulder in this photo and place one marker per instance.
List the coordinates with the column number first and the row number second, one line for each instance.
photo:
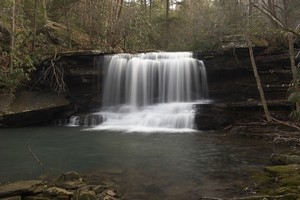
column 28, row 108
column 283, row 159
column 55, row 191
column 21, row 188
column 70, row 180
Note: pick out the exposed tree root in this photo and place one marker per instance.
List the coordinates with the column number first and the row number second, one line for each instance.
column 53, row 76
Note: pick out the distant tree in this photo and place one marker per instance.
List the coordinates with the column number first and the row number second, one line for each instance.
column 282, row 14
column 12, row 32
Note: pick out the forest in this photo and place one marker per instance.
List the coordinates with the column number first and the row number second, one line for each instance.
column 31, row 30
column 190, row 99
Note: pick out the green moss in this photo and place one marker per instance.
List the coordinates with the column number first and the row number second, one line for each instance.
column 261, row 178
column 293, row 180
column 261, row 42
column 283, row 169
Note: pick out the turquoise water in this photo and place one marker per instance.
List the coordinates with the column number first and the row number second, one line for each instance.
column 148, row 166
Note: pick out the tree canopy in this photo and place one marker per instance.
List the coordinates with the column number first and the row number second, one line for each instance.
column 32, row 29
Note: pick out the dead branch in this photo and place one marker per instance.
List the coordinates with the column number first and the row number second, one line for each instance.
column 275, row 19
column 53, row 76
column 36, row 158
column 286, row 124
column 281, row 139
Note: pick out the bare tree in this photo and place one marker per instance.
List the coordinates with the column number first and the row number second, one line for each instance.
column 12, row 41
column 67, row 23
column 34, row 25
column 284, row 25
column 258, row 83
column 167, row 23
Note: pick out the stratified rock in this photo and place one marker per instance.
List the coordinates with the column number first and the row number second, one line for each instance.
column 13, row 198
column 35, row 198
column 20, row 188
column 28, row 108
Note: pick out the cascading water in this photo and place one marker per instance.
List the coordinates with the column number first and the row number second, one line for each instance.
column 152, row 91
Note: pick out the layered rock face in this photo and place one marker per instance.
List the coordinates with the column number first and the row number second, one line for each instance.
column 231, row 82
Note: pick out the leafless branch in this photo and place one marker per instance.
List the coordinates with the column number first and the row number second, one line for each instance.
column 36, row 158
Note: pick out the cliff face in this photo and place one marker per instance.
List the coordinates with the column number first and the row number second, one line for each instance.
column 230, row 76
column 230, row 79
column 233, row 87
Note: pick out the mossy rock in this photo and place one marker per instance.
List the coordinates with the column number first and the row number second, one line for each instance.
column 261, row 42
column 261, row 178
column 287, row 190
column 283, row 169
column 292, row 180
column 284, row 159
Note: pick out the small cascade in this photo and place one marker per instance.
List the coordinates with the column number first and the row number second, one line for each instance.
column 74, row 121
column 152, row 91
column 91, row 119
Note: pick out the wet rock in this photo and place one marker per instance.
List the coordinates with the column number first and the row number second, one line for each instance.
column 55, row 191
column 13, row 198
column 99, row 188
column 20, row 188
column 38, row 190
column 87, row 195
column 107, row 197
column 28, row 108
column 70, row 180
column 111, row 193
column 69, row 176
column 35, row 198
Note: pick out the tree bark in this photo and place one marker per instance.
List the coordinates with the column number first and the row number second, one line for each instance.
column 258, row 82
column 44, row 4
column 12, row 41
column 167, row 28
column 120, row 7
column 34, row 25
column 67, row 24
column 294, row 68
column 150, row 7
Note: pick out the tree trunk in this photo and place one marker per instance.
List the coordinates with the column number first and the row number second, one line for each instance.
column 150, row 7
column 120, row 7
column 12, row 41
column 34, row 25
column 167, row 27
column 44, row 4
column 294, row 68
column 67, row 23
column 258, row 82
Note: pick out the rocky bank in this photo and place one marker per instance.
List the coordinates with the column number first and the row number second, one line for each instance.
column 69, row 185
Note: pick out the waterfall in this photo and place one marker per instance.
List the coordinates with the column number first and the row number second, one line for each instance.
column 152, row 90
